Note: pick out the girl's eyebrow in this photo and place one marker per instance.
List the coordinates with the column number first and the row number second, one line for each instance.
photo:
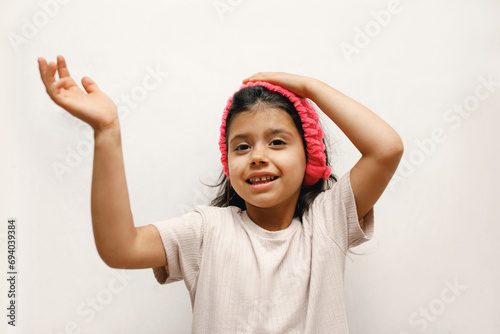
column 267, row 132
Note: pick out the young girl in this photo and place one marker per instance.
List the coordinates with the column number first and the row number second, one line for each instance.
column 269, row 255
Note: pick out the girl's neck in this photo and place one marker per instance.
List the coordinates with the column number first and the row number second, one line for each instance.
column 271, row 219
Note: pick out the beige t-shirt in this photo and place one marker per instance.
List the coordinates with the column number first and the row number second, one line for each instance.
column 245, row 279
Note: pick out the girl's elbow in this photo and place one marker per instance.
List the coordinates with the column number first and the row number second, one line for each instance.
column 398, row 149
column 115, row 264
column 112, row 264
column 395, row 147
column 113, row 261
column 391, row 151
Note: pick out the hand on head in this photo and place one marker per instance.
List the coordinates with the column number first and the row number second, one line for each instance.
column 93, row 106
column 294, row 83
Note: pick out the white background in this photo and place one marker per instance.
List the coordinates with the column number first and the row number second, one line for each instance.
column 436, row 224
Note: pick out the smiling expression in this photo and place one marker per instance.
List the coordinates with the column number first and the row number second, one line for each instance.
column 266, row 158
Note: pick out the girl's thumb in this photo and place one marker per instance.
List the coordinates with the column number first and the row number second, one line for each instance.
column 89, row 85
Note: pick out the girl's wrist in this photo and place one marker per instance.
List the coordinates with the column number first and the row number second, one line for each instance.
column 112, row 129
column 311, row 86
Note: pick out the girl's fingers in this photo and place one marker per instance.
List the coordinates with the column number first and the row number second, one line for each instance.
column 62, row 68
column 254, row 77
column 292, row 82
column 50, row 78
column 63, row 83
column 51, row 71
column 261, row 76
column 42, row 65
column 89, row 85
column 46, row 72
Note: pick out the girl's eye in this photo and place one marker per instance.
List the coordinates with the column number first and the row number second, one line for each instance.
column 277, row 142
column 242, row 147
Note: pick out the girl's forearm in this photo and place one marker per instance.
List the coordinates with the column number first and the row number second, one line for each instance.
column 368, row 132
column 112, row 220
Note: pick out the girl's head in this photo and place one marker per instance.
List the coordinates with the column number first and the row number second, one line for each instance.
column 272, row 149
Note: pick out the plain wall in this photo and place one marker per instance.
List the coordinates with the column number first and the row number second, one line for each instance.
column 422, row 66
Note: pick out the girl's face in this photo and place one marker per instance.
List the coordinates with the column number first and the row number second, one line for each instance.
column 266, row 158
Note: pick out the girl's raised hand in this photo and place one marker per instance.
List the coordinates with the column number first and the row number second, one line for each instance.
column 294, row 83
column 93, row 106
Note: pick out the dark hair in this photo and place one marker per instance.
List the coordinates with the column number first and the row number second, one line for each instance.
column 251, row 98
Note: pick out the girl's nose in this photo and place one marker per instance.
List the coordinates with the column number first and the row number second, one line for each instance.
column 258, row 157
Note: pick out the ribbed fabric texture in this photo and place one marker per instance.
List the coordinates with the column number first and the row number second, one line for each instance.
column 245, row 279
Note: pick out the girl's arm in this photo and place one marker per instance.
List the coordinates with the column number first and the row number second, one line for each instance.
column 119, row 243
column 381, row 147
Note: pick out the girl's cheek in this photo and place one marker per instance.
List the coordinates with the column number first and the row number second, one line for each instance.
column 235, row 165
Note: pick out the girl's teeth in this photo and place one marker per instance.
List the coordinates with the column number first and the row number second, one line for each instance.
column 261, row 179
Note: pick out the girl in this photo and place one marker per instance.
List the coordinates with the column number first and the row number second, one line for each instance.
column 269, row 255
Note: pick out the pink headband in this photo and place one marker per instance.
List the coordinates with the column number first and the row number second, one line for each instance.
column 313, row 134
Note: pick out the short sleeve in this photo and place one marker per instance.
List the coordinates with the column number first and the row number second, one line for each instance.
column 336, row 209
column 182, row 240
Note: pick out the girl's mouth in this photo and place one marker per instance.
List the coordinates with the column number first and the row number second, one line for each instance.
column 261, row 179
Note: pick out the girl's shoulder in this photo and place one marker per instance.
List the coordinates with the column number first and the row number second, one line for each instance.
column 335, row 196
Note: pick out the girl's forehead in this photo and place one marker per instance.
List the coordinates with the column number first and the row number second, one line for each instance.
column 276, row 115
column 262, row 117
